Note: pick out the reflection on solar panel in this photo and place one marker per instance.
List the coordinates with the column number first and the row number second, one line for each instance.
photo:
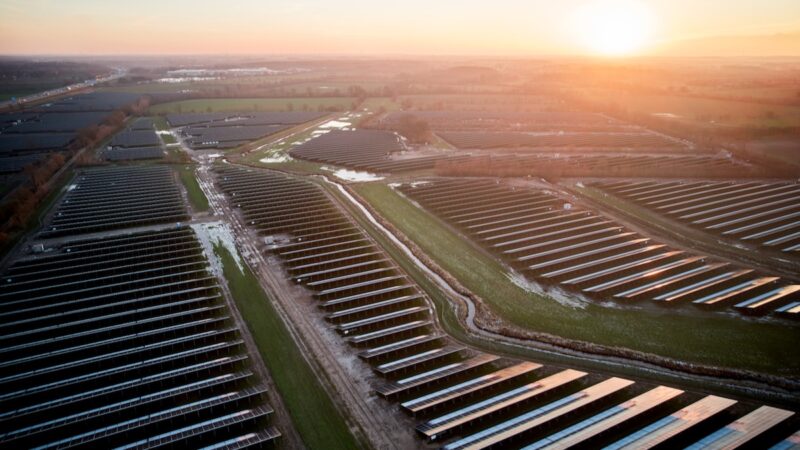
column 670, row 426
column 766, row 214
column 743, row 430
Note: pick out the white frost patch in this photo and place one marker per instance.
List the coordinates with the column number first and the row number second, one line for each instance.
column 163, row 132
column 395, row 185
column 352, row 175
column 275, row 159
column 335, row 124
column 211, row 233
column 532, row 288
column 214, row 155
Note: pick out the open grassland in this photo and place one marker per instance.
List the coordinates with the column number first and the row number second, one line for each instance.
column 196, row 196
column 253, row 104
column 313, row 413
column 722, row 112
column 374, row 104
column 717, row 340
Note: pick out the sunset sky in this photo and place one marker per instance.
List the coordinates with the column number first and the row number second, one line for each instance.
column 502, row 27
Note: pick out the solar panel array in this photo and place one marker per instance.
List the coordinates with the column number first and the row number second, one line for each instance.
column 58, row 122
column 230, row 130
column 763, row 213
column 117, row 197
column 93, row 101
column 122, row 341
column 486, row 140
column 13, row 164
column 135, row 138
column 370, row 150
column 228, row 137
column 547, row 238
column 53, row 127
column 252, row 118
column 459, row 397
column 133, row 154
column 600, row 164
column 497, row 120
column 20, row 144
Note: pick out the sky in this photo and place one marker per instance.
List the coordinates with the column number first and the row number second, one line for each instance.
column 363, row 27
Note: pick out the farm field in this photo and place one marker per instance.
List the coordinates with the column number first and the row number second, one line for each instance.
column 252, row 105
column 743, row 344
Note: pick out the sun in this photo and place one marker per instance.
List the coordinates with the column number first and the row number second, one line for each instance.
column 614, row 27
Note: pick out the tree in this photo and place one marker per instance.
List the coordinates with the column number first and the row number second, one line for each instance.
column 414, row 129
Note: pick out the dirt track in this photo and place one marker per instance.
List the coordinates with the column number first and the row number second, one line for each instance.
column 346, row 378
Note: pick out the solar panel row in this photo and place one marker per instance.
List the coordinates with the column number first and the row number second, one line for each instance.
column 545, row 237
column 123, row 341
column 763, row 213
column 117, row 197
column 464, row 398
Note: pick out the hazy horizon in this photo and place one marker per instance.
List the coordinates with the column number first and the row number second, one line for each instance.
column 356, row 27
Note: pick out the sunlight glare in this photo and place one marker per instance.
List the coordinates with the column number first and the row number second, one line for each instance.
column 614, row 27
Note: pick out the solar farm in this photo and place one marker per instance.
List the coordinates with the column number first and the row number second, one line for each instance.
column 226, row 131
column 372, row 150
column 545, row 237
column 459, row 397
column 341, row 254
column 139, row 141
column 123, row 339
column 764, row 214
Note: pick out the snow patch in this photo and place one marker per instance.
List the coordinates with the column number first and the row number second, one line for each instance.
column 335, row 124
column 533, row 288
column 71, row 187
column 275, row 159
column 352, row 175
column 211, row 233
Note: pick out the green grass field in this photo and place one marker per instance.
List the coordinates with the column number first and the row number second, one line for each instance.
column 375, row 103
column 706, row 339
column 196, row 196
column 727, row 112
column 313, row 413
column 252, row 104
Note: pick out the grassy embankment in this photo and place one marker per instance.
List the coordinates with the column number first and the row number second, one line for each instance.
column 196, row 196
column 717, row 340
column 313, row 413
